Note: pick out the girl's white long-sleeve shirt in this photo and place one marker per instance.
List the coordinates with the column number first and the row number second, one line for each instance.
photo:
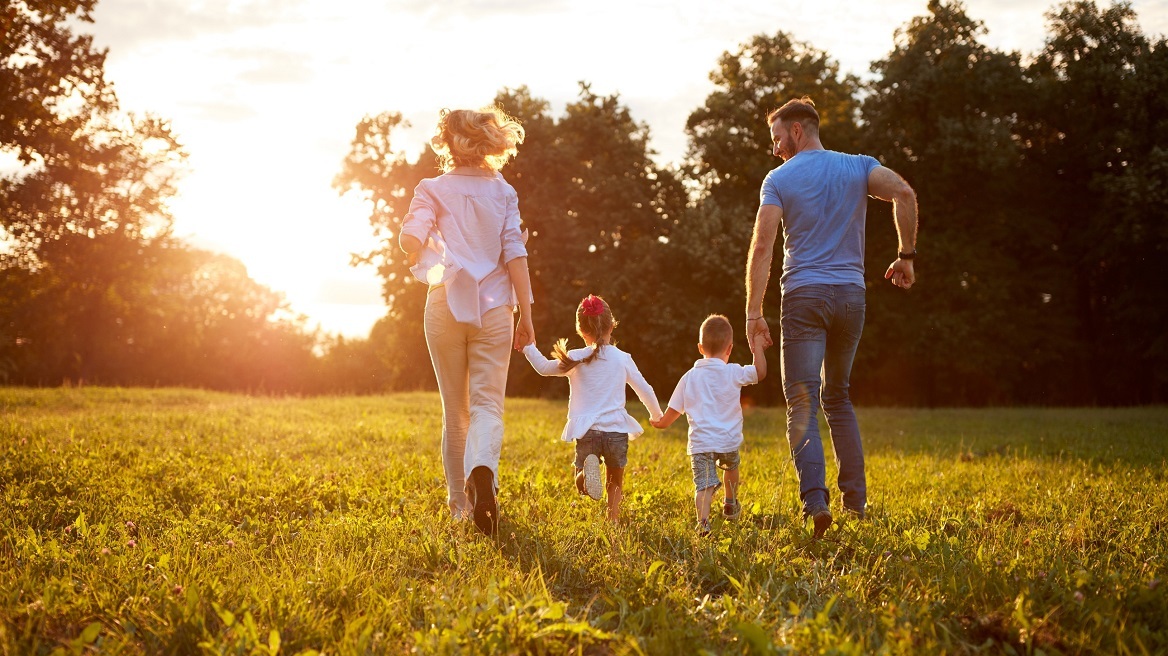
column 596, row 397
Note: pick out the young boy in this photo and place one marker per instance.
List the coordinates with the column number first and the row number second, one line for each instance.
column 710, row 397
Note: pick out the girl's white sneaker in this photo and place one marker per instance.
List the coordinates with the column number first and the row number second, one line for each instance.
column 592, row 483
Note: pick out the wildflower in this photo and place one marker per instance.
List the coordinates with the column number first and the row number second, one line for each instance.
column 105, row 551
column 231, row 543
column 130, row 525
column 1079, row 596
column 131, row 543
column 69, row 529
column 1153, row 584
column 177, row 589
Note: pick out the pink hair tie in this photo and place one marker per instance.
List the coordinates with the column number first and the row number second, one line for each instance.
column 593, row 306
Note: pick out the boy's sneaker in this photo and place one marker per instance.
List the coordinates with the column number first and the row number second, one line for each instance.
column 703, row 528
column 732, row 509
column 481, row 494
column 592, row 477
column 822, row 521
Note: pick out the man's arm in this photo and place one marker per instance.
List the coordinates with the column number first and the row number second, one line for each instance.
column 887, row 185
column 758, row 268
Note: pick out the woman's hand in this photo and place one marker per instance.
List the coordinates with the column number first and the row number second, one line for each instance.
column 524, row 333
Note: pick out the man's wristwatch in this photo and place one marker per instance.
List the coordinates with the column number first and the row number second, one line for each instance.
column 907, row 256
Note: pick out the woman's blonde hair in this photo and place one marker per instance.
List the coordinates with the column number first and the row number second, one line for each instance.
column 594, row 320
column 484, row 139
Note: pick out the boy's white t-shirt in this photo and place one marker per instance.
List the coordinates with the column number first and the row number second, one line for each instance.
column 710, row 395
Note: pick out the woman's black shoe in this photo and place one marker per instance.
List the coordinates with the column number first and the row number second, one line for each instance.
column 482, row 497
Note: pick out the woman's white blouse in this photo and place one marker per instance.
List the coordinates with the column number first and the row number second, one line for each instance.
column 597, row 391
column 468, row 222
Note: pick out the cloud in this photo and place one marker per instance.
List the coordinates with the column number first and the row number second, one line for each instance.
column 224, row 112
column 127, row 25
column 264, row 66
column 474, row 9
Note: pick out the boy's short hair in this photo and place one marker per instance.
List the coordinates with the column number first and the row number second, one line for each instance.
column 716, row 334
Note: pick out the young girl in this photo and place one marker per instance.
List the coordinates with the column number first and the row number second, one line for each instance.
column 597, row 420
column 463, row 236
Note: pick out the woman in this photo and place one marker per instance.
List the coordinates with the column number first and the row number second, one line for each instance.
column 463, row 235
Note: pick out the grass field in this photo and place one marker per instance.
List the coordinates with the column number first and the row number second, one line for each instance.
column 173, row 521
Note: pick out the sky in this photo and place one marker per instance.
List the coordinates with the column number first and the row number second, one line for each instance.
column 265, row 96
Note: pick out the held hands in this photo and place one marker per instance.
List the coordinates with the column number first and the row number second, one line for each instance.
column 901, row 273
column 524, row 333
column 759, row 342
column 758, row 332
column 666, row 420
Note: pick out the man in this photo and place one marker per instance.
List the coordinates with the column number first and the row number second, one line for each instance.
column 820, row 199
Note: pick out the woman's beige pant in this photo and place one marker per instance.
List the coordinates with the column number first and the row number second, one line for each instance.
column 471, row 366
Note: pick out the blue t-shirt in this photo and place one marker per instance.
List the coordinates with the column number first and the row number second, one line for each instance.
column 824, row 198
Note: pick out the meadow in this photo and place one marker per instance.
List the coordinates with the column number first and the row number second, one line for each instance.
column 178, row 521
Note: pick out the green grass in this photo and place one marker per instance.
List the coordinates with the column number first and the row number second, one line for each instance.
column 180, row 521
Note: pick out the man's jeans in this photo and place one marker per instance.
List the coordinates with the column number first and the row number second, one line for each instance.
column 821, row 326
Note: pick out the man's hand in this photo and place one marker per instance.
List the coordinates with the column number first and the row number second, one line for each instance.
column 901, row 273
column 524, row 333
column 758, row 329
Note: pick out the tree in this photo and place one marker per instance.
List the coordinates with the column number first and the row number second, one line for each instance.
column 379, row 172
column 942, row 112
column 598, row 209
column 730, row 141
column 595, row 205
column 51, row 80
column 1093, row 138
column 83, row 218
column 93, row 286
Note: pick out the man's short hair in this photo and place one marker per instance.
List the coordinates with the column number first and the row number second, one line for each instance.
column 716, row 334
column 800, row 110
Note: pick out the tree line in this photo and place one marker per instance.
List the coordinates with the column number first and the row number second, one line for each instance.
column 1042, row 182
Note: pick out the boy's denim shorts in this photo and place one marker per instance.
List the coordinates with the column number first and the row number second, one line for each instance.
column 612, row 448
column 705, row 468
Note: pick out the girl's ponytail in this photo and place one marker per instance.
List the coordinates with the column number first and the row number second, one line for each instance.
column 560, row 352
column 593, row 320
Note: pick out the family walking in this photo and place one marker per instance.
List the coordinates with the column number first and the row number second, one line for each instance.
column 464, row 238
